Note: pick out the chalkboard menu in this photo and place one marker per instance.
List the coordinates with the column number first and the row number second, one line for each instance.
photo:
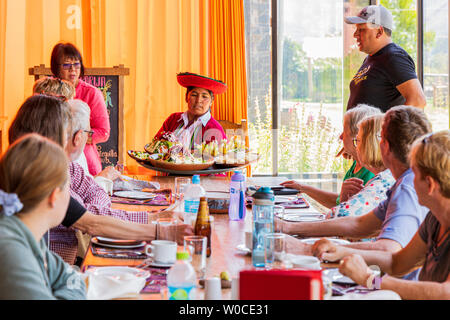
column 111, row 83
column 109, row 86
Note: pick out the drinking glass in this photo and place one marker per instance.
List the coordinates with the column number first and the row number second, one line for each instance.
column 165, row 229
column 196, row 246
column 274, row 249
column 180, row 186
column 278, row 211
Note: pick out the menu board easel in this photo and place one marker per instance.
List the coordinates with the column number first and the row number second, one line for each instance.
column 110, row 81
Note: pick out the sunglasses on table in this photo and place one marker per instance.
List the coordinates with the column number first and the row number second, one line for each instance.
column 67, row 66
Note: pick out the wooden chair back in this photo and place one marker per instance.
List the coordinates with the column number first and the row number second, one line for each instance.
column 232, row 129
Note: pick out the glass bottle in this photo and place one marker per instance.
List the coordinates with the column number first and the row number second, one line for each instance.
column 202, row 224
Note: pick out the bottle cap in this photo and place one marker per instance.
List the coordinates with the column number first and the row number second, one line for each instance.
column 182, row 255
column 264, row 196
column 196, row 179
column 237, row 176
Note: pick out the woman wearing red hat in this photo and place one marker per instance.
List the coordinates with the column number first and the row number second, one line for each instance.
column 196, row 125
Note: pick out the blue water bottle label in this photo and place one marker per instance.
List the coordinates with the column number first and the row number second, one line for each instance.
column 191, row 206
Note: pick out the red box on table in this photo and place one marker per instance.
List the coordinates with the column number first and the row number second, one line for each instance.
column 280, row 284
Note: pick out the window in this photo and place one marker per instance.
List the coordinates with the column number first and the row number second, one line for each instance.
column 259, row 79
column 435, row 63
column 311, row 97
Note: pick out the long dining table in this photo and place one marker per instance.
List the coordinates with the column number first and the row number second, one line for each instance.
column 225, row 238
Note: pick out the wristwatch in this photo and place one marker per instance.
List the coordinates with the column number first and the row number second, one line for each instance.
column 373, row 281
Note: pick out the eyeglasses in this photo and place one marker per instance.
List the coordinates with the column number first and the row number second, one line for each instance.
column 89, row 132
column 67, row 66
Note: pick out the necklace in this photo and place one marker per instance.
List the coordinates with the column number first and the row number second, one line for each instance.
column 434, row 250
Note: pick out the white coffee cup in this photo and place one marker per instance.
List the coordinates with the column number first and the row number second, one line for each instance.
column 213, row 289
column 105, row 183
column 162, row 251
column 305, row 262
column 249, row 239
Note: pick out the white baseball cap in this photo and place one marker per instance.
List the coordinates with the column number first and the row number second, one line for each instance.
column 375, row 14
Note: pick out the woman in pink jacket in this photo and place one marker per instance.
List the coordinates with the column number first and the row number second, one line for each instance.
column 67, row 64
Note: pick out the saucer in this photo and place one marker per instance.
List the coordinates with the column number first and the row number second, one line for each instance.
column 243, row 249
column 151, row 263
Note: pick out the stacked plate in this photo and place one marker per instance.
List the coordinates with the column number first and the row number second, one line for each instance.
column 138, row 195
column 115, row 243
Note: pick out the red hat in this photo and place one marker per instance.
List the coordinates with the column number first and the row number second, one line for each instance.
column 187, row 79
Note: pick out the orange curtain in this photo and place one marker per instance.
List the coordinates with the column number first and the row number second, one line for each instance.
column 227, row 62
column 155, row 39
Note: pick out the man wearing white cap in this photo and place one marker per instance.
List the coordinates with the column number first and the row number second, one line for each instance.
column 387, row 77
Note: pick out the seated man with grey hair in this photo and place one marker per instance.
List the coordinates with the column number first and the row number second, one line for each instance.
column 83, row 188
column 81, row 123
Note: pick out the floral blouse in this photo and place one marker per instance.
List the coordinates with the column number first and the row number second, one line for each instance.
column 367, row 199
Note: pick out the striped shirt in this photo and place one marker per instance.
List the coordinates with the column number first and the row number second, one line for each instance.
column 86, row 191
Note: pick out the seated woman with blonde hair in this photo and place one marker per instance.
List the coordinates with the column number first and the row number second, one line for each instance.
column 430, row 246
column 54, row 86
column 350, row 129
column 368, row 151
column 34, row 195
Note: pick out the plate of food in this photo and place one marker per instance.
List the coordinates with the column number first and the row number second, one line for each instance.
column 139, row 155
column 168, row 153
column 182, row 163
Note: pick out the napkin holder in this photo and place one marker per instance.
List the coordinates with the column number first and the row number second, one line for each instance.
column 280, row 284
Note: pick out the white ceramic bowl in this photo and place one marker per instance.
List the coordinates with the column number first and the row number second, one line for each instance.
column 305, row 262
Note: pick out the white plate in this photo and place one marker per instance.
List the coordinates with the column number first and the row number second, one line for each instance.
column 117, row 246
column 333, row 240
column 151, row 263
column 242, row 248
column 139, row 195
column 283, row 199
column 335, row 276
column 302, row 218
column 119, row 271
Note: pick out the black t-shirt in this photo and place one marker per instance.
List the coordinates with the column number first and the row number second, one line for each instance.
column 376, row 81
column 74, row 212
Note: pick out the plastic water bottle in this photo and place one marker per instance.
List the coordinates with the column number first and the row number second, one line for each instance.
column 262, row 210
column 192, row 196
column 181, row 279
column 236, row 210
